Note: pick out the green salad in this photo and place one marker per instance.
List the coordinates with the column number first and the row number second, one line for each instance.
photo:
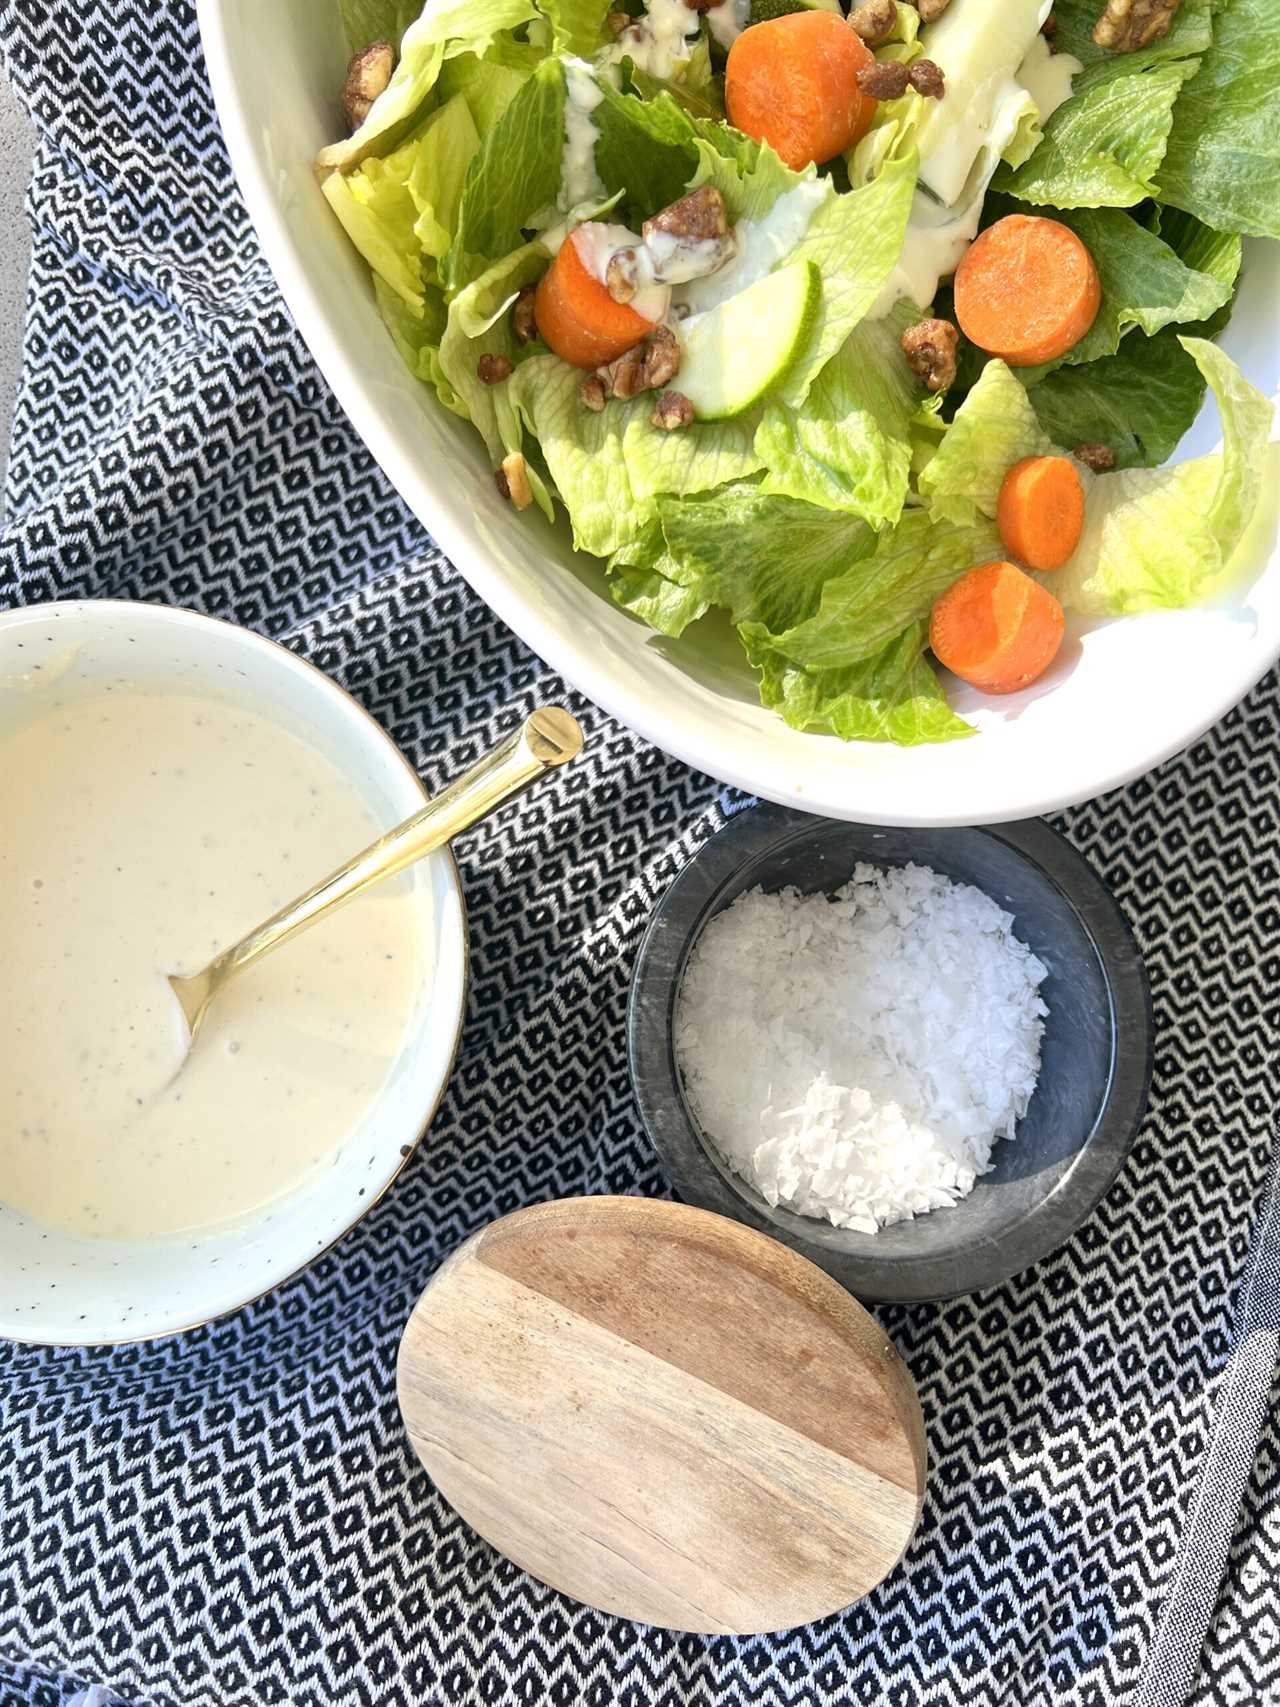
column 866, row 333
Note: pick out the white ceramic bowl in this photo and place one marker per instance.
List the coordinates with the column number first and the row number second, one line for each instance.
column 1120, row 699
column 62, row 1290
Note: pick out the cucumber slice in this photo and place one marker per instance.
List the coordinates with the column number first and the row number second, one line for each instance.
column 736, row 353
column 762, row 11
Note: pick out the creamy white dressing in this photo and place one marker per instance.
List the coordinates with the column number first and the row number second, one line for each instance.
column 761, row 244
column 660, row 43
column 979, row 50
column 1046, row 76
column 579, row 180
column 142, row 833
column 598, row 241
column 728, row 20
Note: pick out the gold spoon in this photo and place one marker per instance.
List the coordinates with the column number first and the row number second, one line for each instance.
column 548, row 738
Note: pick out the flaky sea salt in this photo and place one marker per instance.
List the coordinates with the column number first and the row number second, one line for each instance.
column 855, row 1056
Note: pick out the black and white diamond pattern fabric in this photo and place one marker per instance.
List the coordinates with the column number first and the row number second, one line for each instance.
column 233, row 1518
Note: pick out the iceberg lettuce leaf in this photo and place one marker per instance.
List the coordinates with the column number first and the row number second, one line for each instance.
column 577, row 26
column 1162, row 536
column 479, row 324
column 367, row 21
column 488, row 86
column 379, row 217
column 438, row 170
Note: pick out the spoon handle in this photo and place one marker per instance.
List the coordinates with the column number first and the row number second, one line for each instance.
column 548, row 738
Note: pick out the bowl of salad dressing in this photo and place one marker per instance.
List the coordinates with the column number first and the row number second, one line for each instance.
column 166, row 781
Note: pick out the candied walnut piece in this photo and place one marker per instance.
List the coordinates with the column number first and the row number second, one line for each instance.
column 931, row 9
column 617, row 22
column 1130, row 24
column 647, row 366
column 698, row 216
column 926, row 79
column 672, row 411
column 621, row 278
column 523, row 323
column 874, row 21
column 883, row 80
column 930, row 349
column 1049, row 28
column 367, row 76
column 492, row 370
column 1098, row 457
column 592, row 393
column 512, row 480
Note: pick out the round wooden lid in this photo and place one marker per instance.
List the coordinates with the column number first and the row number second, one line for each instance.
column 664, row 1414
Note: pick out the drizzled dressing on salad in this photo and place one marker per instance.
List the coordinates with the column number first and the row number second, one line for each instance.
column 826, row 321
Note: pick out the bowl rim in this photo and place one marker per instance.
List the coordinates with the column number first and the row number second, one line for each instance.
column 275, row 650
column 683, row 1151
column 641, row 709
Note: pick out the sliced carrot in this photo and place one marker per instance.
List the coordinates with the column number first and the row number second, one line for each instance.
column 996, row 628
column 793, row 82
column 576, row 315
column 1040, row 511
column 1026, row 290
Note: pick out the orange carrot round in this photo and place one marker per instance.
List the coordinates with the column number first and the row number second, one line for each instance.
column 1026, row 290
column 1040, row 511
column 793, row 82
column 576, row 315
column 996, row 628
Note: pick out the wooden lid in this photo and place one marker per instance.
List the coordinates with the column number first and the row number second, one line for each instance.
column 664, row 1414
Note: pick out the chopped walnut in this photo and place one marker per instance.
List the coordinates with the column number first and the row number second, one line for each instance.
column 1098, row 457
column 492, row 370
column 930, row 349
column 367, row 76
column 697, row 216
column 1049, row 28
column 874, row 21
column 617, row 22
column 672, row 411
column 621, row 277
column 523, row 323
column 647, row 366
column 1130, row 24
column 512, row 480
column 593, row 393
column 883, row 79
column 931, row 9
column 926, row 79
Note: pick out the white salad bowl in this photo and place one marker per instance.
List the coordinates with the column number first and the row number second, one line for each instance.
column 60, row 1289
column 1122, row 696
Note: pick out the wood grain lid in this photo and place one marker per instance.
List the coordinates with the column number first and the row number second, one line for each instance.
column 664, row 1414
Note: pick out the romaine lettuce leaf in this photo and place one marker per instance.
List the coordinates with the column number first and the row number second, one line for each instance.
column 418, row 336
column 514, row 176
column 438, row 169
column 891, row 696
column 479, row 324
column 489, row 86
column 366, row 21
column 869, row 604
column 609, row 467
column 1145, row 283
column 849, row 447
column 1223, row 158
column 748, row 174
column 854, row 240
column 1139, row 402
column 577, row 26
column 1162, row 536
column 993, row 428
column 647, row 581
column 378, row 215
column 795, row 550
column 647, row 150
column 1104, row 146
column 444, row 29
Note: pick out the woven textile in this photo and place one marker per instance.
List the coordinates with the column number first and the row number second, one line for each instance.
column 233, row 1517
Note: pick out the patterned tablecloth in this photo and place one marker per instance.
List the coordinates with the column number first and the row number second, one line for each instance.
column 234, row 1517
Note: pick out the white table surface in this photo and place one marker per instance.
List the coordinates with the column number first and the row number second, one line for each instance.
column 17, row 140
